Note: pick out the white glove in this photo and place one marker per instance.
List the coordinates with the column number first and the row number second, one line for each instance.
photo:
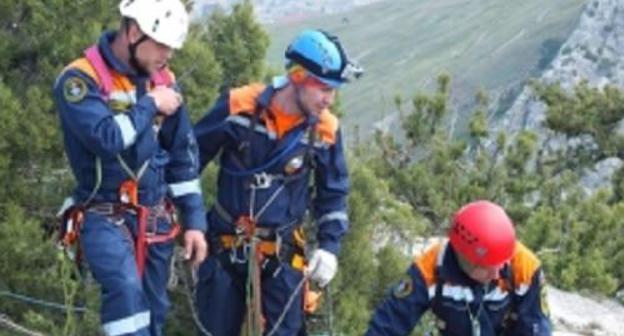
column 322, row 267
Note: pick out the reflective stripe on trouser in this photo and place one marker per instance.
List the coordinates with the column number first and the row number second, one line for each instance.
column 130, row 305
column 221, row 298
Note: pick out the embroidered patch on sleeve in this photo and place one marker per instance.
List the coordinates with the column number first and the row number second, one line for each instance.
column 74, row 89
column 404, row 288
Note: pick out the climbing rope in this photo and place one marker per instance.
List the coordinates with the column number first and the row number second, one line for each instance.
column 253, row 300
column 190, row 280
column 6, row 322
column 42, row 303
column 330, row 305
column 289, row 303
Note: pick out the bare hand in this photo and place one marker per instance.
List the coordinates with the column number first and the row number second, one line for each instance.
column 195, row 247
column 167, row 99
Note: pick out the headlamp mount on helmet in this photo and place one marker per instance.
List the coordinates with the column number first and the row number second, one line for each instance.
column 304, row 53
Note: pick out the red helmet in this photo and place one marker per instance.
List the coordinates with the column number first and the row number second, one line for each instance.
column 483, row 234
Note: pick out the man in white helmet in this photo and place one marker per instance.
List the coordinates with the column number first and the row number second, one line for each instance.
column 131, row 148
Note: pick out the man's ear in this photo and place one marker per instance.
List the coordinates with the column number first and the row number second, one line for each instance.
column 133, row 32
column 297, row 76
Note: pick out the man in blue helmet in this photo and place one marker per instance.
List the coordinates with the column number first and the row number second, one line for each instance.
column 130, row 145
column 273, row 139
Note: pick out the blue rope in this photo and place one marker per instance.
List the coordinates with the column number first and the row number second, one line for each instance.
column 270, row 163
column 31, row 300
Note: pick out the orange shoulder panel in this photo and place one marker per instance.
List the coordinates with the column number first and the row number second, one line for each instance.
column 327, row 127
column 243, row 99
column 119, row 81
column 427, row 262
column 524, row 265
column 83, row 65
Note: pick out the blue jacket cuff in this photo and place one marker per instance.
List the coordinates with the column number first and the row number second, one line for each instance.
column 194, row 220
column 330, row 246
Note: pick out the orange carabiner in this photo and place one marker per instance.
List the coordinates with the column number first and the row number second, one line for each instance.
column 246, row 226
column 129, row 192
column 311, row 299
column 71, row 226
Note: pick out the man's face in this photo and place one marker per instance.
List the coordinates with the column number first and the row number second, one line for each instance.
column 481, row 274
column 151, row 55
column 315, row 96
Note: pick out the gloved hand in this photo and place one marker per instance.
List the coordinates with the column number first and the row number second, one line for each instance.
column 322, row 267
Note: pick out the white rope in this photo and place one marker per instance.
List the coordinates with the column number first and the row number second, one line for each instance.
column 291, row 299
column 190, row 280
column 8, row 323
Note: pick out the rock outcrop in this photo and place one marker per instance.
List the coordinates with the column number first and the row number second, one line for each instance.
column 594, row 52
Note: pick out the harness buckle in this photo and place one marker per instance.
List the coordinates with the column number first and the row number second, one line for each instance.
column 244, row 232
column 262, row 181
column 239, row 255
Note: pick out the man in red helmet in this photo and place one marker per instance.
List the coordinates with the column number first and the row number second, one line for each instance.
column 480, row 281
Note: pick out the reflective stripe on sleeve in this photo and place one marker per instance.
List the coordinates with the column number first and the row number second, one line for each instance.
column 128, row 133
column 185, row 188
column 127, row 325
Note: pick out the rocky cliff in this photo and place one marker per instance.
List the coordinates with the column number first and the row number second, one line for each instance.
column 594, row 52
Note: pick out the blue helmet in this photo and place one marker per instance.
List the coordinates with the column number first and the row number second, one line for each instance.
column 322, row 55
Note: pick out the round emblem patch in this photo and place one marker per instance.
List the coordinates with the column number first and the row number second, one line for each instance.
column 404, row 288
column 74, row 89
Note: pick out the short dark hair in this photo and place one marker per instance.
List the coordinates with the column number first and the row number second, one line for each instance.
column 126, row 22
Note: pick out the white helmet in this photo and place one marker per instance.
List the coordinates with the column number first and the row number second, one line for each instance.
column 165, row 21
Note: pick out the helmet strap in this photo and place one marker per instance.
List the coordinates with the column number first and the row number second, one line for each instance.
column 472, row 269
column 132, row 48
column 464, row 264
column 297, row 89
column 297, row 76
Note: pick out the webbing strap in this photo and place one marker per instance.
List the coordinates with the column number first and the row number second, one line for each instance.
column 224, row 214
column 96, row 60
column 98, row 180
column 93, row 55
column 129, row 171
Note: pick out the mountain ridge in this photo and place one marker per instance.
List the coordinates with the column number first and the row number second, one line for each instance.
column 594, row 52
column 404, row 45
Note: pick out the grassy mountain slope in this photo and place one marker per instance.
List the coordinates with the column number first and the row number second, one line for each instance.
column 405, row 44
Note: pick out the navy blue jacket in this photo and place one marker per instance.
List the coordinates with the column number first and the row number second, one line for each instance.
column 125, row 124
column 515, row 304
column 274, row 146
